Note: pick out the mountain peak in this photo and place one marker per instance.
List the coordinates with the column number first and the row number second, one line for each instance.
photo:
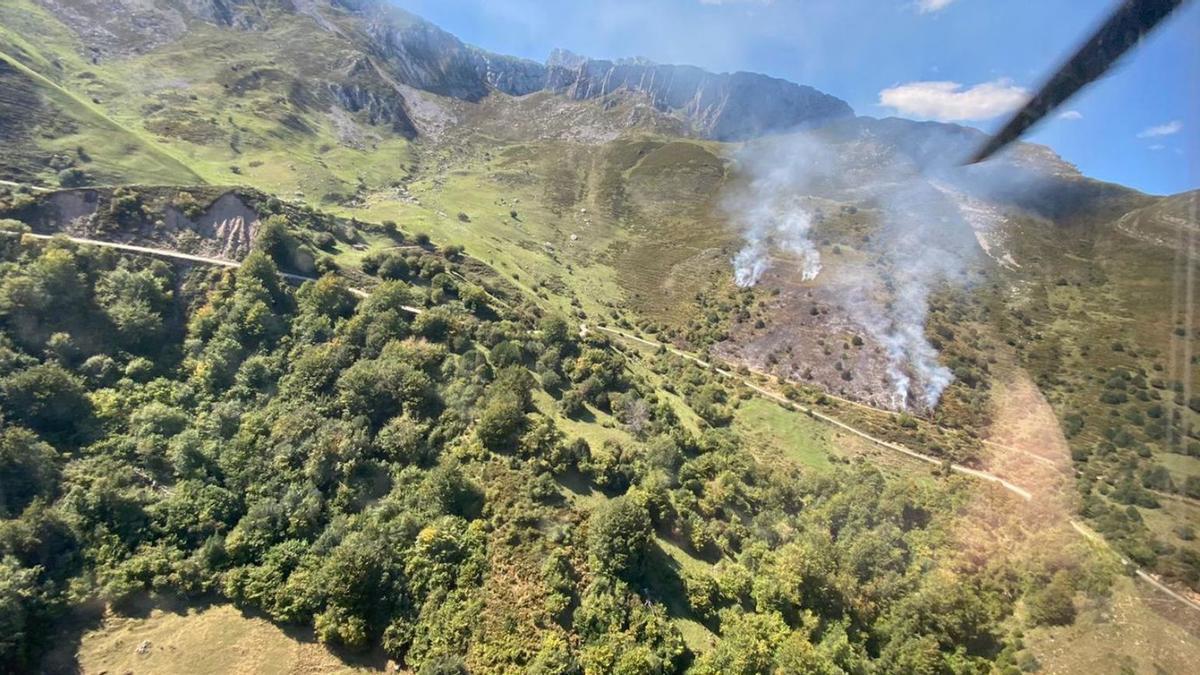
column 720, row 106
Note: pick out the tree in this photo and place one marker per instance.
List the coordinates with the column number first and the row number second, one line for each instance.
column 378, row 389
column 618, row 538
column 701, row 594
column 572, row 403
column 747, row 646
column 48, row 400
column 402, row 439
column 555, row 330
column 23, row 615
column 134, row 302
column 393, row 266
column 28, row 470
column 507, row 353
column 273, row 239
column 544, row 441
column 500, row 422
column 73, row 177
column 1053, row 605
column 328, row 296
column 473, row 297
column 797, row 656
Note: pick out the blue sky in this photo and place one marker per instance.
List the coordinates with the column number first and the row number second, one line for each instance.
column 1137, row 127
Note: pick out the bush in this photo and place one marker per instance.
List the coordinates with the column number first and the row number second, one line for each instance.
column 324, row 240
column 370, row 263
column 618, row 536
column 1191, row 487
column 48, row 400
column 73, row 177
column 1053, row 605
column 326, row 265
column 393, row 267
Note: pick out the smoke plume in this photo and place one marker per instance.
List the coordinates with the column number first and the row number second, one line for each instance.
column 921, row 241
column 772, row 211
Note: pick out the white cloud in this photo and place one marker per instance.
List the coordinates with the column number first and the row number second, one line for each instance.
column 950, row 102
column 1070, row 115
column 931, row 6
column 1158, row 146
column 1172, row 127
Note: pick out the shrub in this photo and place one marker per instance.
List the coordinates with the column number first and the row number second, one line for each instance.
column 324, row 240
column 73, row 177
column 618, row 536
column 1053, row 605
column 393, row 267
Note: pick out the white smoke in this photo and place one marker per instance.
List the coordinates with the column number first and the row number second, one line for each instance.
column 921, row 241
column 772, row 214
column 778, row 221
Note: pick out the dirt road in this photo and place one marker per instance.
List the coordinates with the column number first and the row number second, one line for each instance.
column 975, row 473
column 203, row 260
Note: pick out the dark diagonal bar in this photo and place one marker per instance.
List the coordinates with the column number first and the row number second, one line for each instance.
column 1132, row 21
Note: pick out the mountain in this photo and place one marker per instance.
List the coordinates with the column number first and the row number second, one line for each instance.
column 415, row 53
column 1013, row 311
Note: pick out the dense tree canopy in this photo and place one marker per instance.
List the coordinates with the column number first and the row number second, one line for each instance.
column 407, row 481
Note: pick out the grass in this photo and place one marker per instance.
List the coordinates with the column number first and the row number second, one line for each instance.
column 117, row 153
column 772, row 429
column 1180, row 466
column 1135, row 631
column 213, row 101
column 212, row 639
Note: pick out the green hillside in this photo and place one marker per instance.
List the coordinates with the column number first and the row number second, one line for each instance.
column 515, row 415
column 58, row 136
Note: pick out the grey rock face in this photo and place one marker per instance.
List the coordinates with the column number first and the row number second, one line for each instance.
column 722, row 106
column 362, row 89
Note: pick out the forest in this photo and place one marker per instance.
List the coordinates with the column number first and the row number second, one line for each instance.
column 397, row 481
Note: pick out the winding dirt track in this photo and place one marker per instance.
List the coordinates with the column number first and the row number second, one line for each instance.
column 187, row 257
column 1017, row 490
column 35, row 188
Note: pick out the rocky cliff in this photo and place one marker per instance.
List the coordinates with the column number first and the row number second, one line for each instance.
column 722, row 106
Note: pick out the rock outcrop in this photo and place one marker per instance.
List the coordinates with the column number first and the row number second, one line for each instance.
column 722, row 106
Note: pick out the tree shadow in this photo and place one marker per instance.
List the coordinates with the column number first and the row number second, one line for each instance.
column 664, row 584
column 576, row 483
column 62, row 653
